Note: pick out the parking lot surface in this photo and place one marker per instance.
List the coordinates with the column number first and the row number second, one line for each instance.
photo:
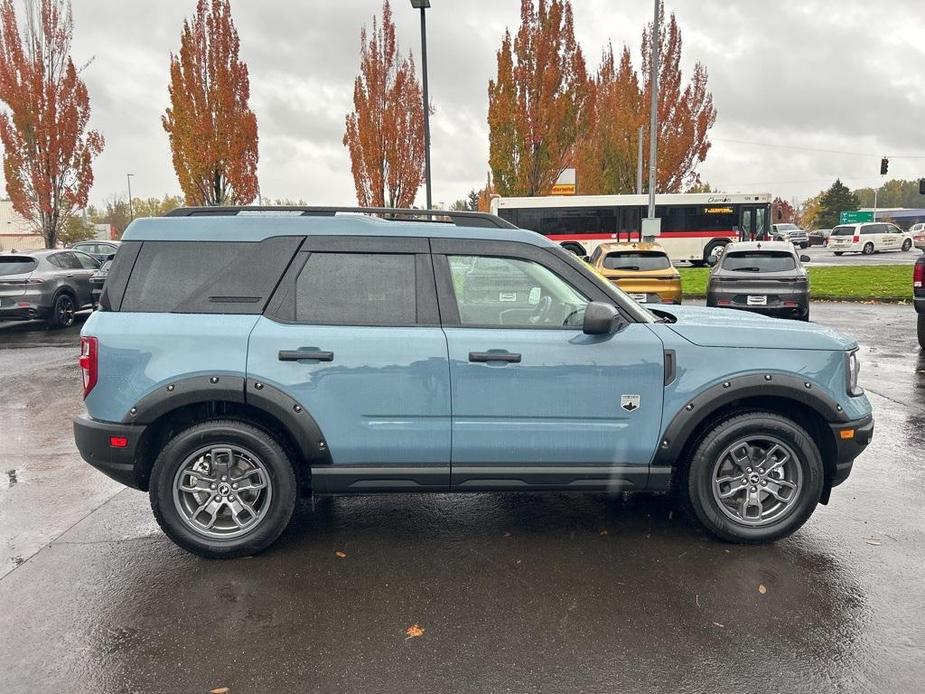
column 514, row 593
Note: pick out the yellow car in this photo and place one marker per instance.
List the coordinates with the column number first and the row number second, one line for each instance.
column 642, row 270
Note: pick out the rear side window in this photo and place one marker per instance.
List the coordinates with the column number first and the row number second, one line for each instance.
column 16, row 265
column 763, row 261
column 636, row 261
column 207, row 277
column 357, row 289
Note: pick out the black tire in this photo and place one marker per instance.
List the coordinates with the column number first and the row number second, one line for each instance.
column 868, row 248
column 282, row 485
column 803, row 245
column 725, row 433
column 921, row 330
column 838, row 252
column 711, row 248
column 63, row 311
column 574, row 248
column 907, row 244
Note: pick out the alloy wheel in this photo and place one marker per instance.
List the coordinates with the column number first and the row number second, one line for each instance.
column 222, row 491
column 757, row 480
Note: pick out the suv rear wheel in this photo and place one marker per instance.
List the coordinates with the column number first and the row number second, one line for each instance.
column 755, row 478
column 921, row 330
column 223, row 489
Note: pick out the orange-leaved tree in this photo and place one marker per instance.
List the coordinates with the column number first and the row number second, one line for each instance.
column 385, row 132
column 212, row 130
column 535, row 103
column 685, row 115
column 47, row 149
column 606, row 154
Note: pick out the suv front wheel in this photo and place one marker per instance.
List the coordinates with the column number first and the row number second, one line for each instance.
column 223, row 489
column 755, row 478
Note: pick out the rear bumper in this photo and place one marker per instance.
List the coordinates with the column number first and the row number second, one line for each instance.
column 93, row 439
column 775, row 307
column 30, row 312
column 847, row 449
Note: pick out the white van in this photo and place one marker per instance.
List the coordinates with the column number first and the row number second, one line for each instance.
column 869, row 238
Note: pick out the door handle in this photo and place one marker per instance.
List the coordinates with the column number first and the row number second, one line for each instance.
column 305, row 354
column 509, row 357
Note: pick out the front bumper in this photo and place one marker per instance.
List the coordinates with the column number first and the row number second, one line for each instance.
column 851, row 438
column 93, row 439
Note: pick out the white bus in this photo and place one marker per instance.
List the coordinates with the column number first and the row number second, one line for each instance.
column 693, row 226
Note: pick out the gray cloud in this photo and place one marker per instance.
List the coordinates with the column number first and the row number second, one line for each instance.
column 843, row 75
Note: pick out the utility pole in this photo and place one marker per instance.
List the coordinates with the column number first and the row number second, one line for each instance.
column 651, row 227
column 422, row 5
column 131, row 212
column 639, row 162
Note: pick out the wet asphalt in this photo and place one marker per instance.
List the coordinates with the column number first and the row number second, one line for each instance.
column 530, row 593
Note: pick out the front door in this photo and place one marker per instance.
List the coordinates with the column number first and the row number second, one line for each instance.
column 536, row 402
column 353, row 336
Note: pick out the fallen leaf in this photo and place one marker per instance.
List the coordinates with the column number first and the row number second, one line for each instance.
column 603, row 532
column 872, row 542
column 762, row 589
column 414, row 631
column 219, row 690
column 342, row 555
column 719, row 625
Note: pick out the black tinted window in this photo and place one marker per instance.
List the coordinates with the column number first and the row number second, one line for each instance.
column 207, row 277
column 357, row 289
column 759, row 261
column 16, row 265
column 636, row 261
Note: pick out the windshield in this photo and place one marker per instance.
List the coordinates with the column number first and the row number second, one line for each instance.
column 636, row 260
column 843, row 231
column 759, row 261
column 16, row 265
column 787, row 227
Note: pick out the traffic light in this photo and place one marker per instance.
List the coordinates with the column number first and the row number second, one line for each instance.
column 884, row 166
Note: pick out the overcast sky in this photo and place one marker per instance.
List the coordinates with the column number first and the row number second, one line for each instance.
column 842, row 75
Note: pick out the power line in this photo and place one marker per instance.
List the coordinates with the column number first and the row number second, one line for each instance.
column 816, row 149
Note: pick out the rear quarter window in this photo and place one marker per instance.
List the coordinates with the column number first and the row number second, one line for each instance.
column 16, row 265
column 206, row 277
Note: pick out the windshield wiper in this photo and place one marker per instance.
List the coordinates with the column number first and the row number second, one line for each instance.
column 626, row 267
column 748, row 269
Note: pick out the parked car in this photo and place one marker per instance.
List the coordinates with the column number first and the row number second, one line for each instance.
column 101, row 250
column 791, row 233
column 869, row 238
column 49, row 284
column 819, row 237
column 763, row 277
column 918, row 297
column 917, row 233
column 98, row 279
column 642, row 270
column 237, row 361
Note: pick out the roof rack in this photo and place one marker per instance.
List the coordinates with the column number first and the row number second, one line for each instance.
column 457, row 217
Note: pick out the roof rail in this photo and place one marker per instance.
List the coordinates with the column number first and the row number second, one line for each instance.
column 457, row 217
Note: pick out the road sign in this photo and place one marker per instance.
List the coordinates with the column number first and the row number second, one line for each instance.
column 855, row 216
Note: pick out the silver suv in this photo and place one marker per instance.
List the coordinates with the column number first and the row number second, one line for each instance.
column 791, row 233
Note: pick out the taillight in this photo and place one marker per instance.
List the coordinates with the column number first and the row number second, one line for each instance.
column 89, row 362
column 855, row 239
column 918, row 275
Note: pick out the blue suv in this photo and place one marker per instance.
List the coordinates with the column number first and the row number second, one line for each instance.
column 240, row 359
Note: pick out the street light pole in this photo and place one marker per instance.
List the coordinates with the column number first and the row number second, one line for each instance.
column 422, row 5
column 131, row 212
column 653, row 116
column 639, row 137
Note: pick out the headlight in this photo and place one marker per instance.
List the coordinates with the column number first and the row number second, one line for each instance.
column 854, row 368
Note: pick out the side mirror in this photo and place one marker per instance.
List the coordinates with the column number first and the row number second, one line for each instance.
column 805, row 258
column 600, row 318
column 712, row 260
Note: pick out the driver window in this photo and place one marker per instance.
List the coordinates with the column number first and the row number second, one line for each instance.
column 509, row 292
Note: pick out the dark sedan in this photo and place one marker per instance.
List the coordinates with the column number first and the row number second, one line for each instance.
column 764, row 277
column 52, row 284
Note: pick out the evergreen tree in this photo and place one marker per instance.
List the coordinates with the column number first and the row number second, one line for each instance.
column 838, row 198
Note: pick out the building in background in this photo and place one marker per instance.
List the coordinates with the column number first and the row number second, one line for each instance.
column 16, row 231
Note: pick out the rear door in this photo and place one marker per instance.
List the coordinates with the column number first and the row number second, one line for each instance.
column 353, row 335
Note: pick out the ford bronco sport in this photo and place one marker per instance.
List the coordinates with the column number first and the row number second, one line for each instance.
column 241, row 359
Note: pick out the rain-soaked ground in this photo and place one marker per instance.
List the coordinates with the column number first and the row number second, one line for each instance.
column 544, row 593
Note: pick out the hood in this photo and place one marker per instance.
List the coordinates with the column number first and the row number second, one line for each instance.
column 724, row 327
